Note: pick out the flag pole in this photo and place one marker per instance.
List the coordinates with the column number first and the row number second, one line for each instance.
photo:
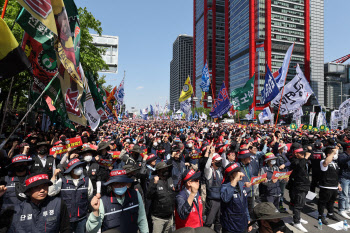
column 30, row 109
column 5, row 110
column 4, row 9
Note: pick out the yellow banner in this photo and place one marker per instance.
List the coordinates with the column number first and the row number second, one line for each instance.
column 187, row 90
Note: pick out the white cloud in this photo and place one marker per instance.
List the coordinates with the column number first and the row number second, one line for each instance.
column 139, row 87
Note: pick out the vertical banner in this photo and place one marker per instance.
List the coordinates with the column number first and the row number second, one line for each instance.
column 312, row 117
column 272, row 119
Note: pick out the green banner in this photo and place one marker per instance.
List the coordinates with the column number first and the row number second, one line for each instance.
column 293, row 126
column 34, row 27
column 322, row 128
column 73, row 18
column 243, row 97
column 315, row 129
column 305, row 127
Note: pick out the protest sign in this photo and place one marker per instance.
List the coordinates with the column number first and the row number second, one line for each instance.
column 71, row 142
column 106, row 162
column 258, row 179
column 114, row 154
column 280, row 175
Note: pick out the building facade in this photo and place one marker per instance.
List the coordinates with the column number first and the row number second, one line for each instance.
column 111, row 44
column 181, row 66
column 259, row 32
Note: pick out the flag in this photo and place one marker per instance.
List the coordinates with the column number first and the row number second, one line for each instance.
column 297, row 114
column 187, row 90
column 295, row 94
column 119, row 95
column 281, row 74
column 89, row 106
column 74, row 23
column 270, row 90
column 151, row 110
column 312, row 117
column 222, row 103
column 320, row 119
column 185, row 107
column 265, row 115
column 145, row 114
column 242, row 97
column 196, row 115
column 13, row 60
column 165, row 110
column 250, row 115
column 41, row 10
column 344, row 108
column 205, row 78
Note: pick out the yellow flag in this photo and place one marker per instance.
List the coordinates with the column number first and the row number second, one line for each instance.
column 187, row 90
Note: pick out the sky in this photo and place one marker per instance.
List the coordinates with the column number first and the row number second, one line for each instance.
column 148, row 29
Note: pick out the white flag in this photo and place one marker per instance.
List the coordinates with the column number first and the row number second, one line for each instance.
column 272, row 119
column 312, row 117
column 320, row 119
column 265, row 115
column 295, row 94
column 185, row 106
column 335, row 118
column 282, row 74
column 250, row 115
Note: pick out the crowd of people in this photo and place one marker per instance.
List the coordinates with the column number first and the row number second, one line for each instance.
column 165, row 176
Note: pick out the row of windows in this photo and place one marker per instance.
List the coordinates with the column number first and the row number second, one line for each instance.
column 287, row 18
column 288, row 11
column 288, row 32
column 288, row 5
column 287, row 25
column 287, row 38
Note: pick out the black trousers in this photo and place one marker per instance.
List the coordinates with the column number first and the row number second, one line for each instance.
column 250, row 201
column 326, row 200
column 299, row 198
column 315, row 180
column 212, row 213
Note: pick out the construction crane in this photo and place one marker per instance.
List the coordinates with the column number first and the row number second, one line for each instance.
column 342, row 59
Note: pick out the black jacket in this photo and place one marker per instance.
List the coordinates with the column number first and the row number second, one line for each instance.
column 299, row 179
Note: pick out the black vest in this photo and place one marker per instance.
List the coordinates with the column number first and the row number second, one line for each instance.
column 32, row 219
column 76, row 198
column 330, row 178
column 10, row 196
column 214, row 186
column 163, row 200
column 38, row 166
column 122, row 217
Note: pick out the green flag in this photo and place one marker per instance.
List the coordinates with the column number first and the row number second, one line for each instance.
column 73, row 18
column 242, row 97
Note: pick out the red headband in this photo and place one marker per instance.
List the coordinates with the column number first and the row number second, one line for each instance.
column 189, row 174
column 216, row 157
column 230, row 168
column 160, row 151
column 298, row 150
column 151, row 156
column 72, row 162
column 19, row 158
column 117, row 173
column 36, row 178
column 242, row 152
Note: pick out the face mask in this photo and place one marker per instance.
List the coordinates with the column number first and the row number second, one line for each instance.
column 159, row 141
column 127, row 140
column 43, row 151
column 21, row 168
column 278, row 226
column 88, row 158
column 273, row 162
column 120, row 191
column 78, row 171
column 166, row 174
column 190, row 145
column 155, row 144
column 218, row 164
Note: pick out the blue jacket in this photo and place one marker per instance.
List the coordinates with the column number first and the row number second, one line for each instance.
column 234, row 208
column 344, row 164
column 269, row 189
column 247, row 170
column 255, row 162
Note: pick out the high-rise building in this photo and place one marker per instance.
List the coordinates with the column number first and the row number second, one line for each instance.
column 110, row 56
column 257, row 32
column 209, row 40
column 181, row 66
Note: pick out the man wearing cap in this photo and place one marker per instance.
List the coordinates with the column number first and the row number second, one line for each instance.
column 76, row 190
column 40, row 213
column 269, row 218
column 344, row 195
column 188, row 203
column 134, row 157
column 43, row 162
column 213, row 177
column 121, row 208
column 161, row 192
column 329, row 185
column 234, row 205
column 244, row 157
column 316, row 158
column 15, row 181
column 299, row 183
column 178, row 166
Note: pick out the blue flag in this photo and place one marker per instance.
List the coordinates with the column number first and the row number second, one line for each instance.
column 270, row 90
column 151, row 110
column 205, row 78
column 222, row 103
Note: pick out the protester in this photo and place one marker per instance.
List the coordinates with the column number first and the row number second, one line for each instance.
column 43, row 162
column 344, row 195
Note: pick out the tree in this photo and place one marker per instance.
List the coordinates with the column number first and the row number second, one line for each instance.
column 102, row 81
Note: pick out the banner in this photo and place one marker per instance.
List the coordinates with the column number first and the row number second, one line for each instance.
column 265, row 115
column 270, row 90
column 272, row 119
column 345, row 122
column 344, row 108
column 187, row 90
column 205, row 78
column 71, row 143
column 282, row 72
column 106, row 162
column 222, row 104
column 185, row 107
column 74, row 23
column 119, row 95
column 295, row 94
column 242, row 97
column 258, row 179
column 280, row 175
column 320, row 119
column 250, row 115
column 312, row 117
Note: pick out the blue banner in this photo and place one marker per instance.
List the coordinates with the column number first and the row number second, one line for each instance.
column 151, row 110
column 222, row 104
column 270, row 90
column 205, row 78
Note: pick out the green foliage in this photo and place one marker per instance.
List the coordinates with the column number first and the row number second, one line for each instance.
column 102, row 81
column 90, row 55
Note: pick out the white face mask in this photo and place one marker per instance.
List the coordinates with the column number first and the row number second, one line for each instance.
column 155, row 144
column 88, row 158
column 273, row 162
column 190, row 145
column 78, row 171
column 159, row 141
column 127, row 140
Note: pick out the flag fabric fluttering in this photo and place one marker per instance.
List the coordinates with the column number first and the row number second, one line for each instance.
column 296, row 93
column 242, row 97
column 270, row 90
column 185, row 107
column 335, row 118
column 151, row 110
column 13, row 60
column 205, row 84
column 119, row 94
column 297, row 114
column 222, row 103
column 265, row 115
column 187, row 90
column 281, row 74
column 311, row 118
column 250, row 115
